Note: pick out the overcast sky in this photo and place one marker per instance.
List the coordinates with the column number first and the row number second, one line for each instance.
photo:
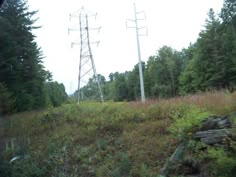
column 174, row 23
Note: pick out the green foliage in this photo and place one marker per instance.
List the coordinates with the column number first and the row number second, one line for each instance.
column 165, row 67
column 141, row 171
column 101, row 144
column 20, row 57
column 191, row 119
column 113, row 139
column 213, row 62
column 207, row 64
column 108, row 139
column 56, row 93
column 121, row 87
column 160, row 74
column 7, row 102
column 124, row 166
column 144, row 171
column 21, row 68
column 224, row 164
column 28, row 168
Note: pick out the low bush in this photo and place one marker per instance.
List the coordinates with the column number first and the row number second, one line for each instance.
column 112, row 139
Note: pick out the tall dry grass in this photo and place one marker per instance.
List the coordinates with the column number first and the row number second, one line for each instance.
column 217, row 102
column 102, row 131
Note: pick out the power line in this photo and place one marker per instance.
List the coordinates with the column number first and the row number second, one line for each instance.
column 87, row 70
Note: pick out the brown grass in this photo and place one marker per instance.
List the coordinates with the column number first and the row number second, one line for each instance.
column 138, row 129
column 217, row 102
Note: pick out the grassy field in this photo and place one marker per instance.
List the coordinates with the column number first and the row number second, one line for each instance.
column 104, row 139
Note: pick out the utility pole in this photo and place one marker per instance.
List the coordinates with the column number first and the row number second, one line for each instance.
column 137, row 28
column 87, row 70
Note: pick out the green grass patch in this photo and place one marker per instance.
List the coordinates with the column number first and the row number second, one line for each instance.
column 104, row 140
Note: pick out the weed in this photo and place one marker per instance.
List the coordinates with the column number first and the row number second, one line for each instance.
column 190, row 119
column 111, row 139
column 101, row 144
column 224, row 164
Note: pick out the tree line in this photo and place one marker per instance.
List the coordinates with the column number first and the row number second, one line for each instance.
column 24, row 82
column 207, row 64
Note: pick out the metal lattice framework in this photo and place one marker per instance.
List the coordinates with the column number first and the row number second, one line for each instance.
column 88, row 82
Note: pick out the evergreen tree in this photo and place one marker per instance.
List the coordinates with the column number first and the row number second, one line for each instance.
column 56, row 94
column 213, row 62
column 21, row 66
column 228, row 16
column 209, row 63
column 7, row 102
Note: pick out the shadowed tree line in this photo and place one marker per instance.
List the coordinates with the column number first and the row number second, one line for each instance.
column 24, row 82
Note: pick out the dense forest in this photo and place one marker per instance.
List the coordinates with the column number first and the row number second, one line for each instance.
column 207, row 64
column 24, row 82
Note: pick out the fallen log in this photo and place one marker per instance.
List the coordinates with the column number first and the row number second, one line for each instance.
column 216, row 122
column 214, row 131
column 212, row 137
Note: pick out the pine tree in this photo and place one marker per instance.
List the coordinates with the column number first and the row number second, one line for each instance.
column 7, row 102
column 207, row 69
column 228, row 16
column 21, row 66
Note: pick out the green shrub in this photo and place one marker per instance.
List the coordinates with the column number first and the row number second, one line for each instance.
column 125, row 164
column 101, row 144
column 109, row 139
column 144, row 171
column 223, row 164
column 28, row 168
column 191, row 119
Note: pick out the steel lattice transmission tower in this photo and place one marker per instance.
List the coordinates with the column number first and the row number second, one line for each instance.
column 88, row 82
